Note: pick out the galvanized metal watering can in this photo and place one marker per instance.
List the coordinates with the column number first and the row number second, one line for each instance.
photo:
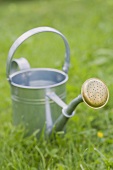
column 38, row 94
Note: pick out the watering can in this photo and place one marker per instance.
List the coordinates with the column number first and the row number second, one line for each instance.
column 39, row 94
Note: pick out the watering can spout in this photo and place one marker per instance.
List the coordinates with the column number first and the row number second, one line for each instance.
column 93, row 92
column 67, row 113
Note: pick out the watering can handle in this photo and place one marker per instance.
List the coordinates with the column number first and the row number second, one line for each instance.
column 28, row 34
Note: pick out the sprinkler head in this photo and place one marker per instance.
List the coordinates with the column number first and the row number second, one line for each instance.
column 95, row 93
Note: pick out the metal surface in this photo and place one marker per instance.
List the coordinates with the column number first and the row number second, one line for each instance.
column 95, row 93
column 38, row 95
column 56, row 99
column 40, row 78
column 30, row 33
column 31, row 106
column 19, row 64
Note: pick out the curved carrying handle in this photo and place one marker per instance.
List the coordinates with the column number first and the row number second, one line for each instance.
column 28, row 34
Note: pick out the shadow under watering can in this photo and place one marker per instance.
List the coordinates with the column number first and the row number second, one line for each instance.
column 38, row 94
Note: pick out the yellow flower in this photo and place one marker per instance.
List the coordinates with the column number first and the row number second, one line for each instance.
column 100, row 134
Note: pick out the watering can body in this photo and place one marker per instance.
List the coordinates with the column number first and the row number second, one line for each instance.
column 29, row 87
column 31, row 107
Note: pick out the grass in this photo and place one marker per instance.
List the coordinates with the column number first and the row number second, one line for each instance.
column 87, row 25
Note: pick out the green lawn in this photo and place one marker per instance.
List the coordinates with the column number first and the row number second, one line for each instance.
column 88, row 27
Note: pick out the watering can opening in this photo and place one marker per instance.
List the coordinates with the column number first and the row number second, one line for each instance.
column 38, row 78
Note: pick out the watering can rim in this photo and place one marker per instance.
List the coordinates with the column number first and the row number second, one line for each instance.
column 38, row 69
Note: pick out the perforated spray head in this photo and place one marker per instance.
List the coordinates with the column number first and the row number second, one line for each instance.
column 95, row 93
